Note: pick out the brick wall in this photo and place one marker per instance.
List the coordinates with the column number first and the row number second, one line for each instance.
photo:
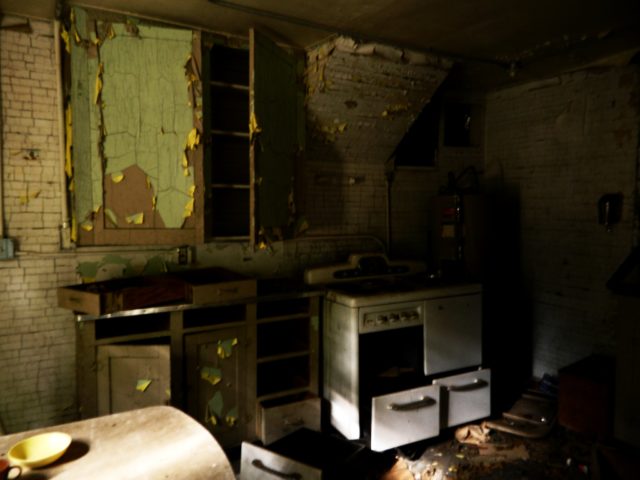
column 361, row 101
column 554, row 148
column 37, row 339
column 37, row 364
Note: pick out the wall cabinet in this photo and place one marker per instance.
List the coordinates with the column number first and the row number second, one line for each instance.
column 162, row 184
column 216, row 362
column 253, row 124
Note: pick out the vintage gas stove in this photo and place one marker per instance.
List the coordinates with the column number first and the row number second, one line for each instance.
column 402, row 352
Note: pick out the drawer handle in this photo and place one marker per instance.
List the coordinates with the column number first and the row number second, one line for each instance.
column 227, row 290
column 261, row 466
column 294, row 422
column 467, row 387
column 403, row 407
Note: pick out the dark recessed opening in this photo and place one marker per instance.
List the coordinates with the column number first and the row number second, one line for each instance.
column 419, row 146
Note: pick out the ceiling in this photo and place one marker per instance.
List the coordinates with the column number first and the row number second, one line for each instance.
column 529, row 38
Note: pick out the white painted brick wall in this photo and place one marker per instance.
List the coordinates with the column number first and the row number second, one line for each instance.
column 561, row 144
column 37, row 349
column 343, row 175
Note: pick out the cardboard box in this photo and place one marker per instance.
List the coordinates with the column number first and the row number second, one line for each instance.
column 586, row 396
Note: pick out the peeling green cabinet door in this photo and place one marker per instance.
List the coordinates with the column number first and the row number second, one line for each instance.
column 216, row 384
column 275, row 117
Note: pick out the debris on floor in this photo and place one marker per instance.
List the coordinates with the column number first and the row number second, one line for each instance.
column 479, row 453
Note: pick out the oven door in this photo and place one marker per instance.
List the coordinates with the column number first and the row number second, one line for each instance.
column 405, row 417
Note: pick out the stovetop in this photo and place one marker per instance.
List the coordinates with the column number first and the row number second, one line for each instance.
column 371, row 279
column 361, row 295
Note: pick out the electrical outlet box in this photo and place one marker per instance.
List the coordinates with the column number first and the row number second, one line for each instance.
column 6, row 249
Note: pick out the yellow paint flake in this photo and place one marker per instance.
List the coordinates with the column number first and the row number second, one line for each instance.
column 117, row 177
column 193, row 139
column 76, row 36
column 254, row 128
column 72, row 185
column 396, row 108
column 188, row 208
column 186, row 172
column 64, row 34
column 69, row 141
column 185, row 160
column 192, row 190
column 26, row 197
column 211, row 374
column 111, row 216
column 98, row 83
column 136, row 218
column 225, row 348
column 154, row 201
column 87, row 226
column 74, row 228
column 143, row 384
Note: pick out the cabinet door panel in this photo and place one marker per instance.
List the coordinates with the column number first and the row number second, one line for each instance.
column 132, row 376
column 215, row 382
column 273, row 104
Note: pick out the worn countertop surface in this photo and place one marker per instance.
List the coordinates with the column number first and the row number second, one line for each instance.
column 149, row 443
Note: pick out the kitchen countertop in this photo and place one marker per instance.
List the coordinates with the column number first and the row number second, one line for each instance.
column 148, row 443
column 267, row 290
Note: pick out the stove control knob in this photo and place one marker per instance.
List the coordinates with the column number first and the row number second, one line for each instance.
column 381, row 319
column 404, row 316
column 413, row 316
column 394, row 317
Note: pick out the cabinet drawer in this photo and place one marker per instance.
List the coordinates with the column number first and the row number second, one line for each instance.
column 465, row 397
column 405, row 417
column 282, row 416
column 257, row 463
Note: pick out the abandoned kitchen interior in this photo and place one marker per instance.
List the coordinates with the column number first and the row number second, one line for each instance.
column 345, row 239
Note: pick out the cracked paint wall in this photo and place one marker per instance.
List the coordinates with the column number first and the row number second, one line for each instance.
column 131, row 86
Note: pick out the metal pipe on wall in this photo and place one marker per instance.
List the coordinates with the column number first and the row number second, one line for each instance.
column 1, row 163
column 65, row 226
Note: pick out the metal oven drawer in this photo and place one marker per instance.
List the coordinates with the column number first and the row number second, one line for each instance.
column 465, row 397
column 258, row 463
column 405, row 417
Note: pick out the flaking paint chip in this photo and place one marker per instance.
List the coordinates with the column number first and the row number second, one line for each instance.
column 143, row 384
column 136, row 218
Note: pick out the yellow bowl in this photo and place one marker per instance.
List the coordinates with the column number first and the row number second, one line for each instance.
column 39, row 450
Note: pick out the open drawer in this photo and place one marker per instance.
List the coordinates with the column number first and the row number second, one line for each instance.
column 465, row 397
column 405, row 417
column 257, row 463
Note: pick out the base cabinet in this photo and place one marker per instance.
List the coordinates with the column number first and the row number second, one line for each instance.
column 192, row 358
column 215, row 385
column 217, row 362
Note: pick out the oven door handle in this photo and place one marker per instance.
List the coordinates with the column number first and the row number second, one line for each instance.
column 261, row 466
column 476, row 384
column 404, row 407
